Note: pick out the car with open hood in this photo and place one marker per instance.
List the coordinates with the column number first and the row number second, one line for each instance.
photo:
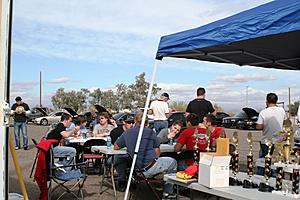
column 245, row 119
column 37, row 112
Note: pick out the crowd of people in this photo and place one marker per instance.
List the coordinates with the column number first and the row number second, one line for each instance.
column 200, row 118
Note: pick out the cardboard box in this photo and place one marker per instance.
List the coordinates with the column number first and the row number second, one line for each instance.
column 214, row 170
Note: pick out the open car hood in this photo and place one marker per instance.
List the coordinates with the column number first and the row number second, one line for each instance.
column 42, row 111
column 71, row 111
column 102, row 109
column 250, row 112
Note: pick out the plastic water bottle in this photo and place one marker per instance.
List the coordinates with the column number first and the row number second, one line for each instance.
column 171, row 141
column 108, row 142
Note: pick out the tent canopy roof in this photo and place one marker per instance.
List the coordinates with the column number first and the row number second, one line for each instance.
column 266, row 36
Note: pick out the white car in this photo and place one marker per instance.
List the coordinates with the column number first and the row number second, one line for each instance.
column 53, row 117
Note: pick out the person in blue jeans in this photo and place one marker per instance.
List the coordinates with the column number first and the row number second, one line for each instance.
column 60, row 132
column 19, row 110
column 148, row 159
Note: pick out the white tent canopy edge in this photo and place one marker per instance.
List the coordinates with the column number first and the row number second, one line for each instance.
column 4, row 61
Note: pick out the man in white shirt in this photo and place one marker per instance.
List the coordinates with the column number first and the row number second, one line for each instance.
column 270, row 121
column 160, row 110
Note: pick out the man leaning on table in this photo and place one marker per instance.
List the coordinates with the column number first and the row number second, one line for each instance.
column 148, row 159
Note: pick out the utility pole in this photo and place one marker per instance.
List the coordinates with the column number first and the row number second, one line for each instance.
column 247, row 95
column 290, row 102
column 40, row 89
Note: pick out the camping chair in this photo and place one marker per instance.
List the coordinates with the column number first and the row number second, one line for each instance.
column 93, row 158
column 35, row 159
column 138, row 178
column 63, row 175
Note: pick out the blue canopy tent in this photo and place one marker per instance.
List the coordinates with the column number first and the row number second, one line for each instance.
column 266, row 36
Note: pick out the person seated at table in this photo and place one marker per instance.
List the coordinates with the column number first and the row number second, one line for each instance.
column 148, row 159
column 121, row 162
column 210, row 122
column 102, row 130
column 187, row 139
column 58, row 133
column 171, row 133
column 80, row 121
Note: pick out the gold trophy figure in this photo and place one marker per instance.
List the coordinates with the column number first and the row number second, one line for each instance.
column 235, row 161
column 265, row 186
column 196, row 152
column 279, row 167
column 248, row 182
column 295, row 175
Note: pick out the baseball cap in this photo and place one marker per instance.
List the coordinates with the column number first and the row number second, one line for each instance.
column 166, row 95
column 129, row 119
column 18, row 99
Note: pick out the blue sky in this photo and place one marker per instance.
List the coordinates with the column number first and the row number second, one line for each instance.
column 98, row 44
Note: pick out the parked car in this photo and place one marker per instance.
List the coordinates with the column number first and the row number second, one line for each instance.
column 174, row 116
column 220, row 116
column 53, row 117
column 246, row 119
column 36, row 112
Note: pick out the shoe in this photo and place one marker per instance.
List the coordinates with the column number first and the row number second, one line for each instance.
column 121, row 186
column 25, row 148
column 17, row 148
column 168, row 196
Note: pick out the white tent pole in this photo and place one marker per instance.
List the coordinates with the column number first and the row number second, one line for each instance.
column 137, row 146
column 5, row 24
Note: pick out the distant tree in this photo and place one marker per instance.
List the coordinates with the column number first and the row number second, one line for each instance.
column 294, row 108
column 123, row 97
column 72, row 99
column 139, row 90
column 218, row 108
column 96, row 97
column 178, row 106
column 109, row 100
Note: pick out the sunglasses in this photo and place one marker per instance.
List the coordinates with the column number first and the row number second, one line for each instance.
column 102, row 118
column 129, row 122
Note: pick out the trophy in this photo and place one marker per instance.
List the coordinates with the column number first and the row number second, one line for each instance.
column 279, row 167
column 248, row 182
column 207, row 137
column 235, row 161
column 295, row 176
column 265, row 186
column 196, row 152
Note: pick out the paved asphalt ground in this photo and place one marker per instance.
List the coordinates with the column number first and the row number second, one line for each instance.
column 91, row 187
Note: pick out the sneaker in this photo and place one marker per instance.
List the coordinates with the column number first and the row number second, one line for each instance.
column 25, row 148
column 17, row 148
column 121, row 186
column 167, row 196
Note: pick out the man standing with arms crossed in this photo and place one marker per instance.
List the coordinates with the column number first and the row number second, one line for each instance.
column 160, row 110
column 200, row 106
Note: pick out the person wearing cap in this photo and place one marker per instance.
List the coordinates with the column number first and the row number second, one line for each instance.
column 121, row 162
column 160, row 110
column 19, row 110
column 200, row 106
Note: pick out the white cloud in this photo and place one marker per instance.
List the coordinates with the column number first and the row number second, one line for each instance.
column 59, row 80
column 242, row 78
column 98, row 31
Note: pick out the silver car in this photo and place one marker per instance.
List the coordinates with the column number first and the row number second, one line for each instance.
column 53, row 117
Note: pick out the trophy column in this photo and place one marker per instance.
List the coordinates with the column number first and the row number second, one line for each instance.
column 235, row 161
column 196, row 153
column 248, row 182
column 265, row 186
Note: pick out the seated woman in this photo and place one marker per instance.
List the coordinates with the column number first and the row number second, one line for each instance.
column 170, row 133
column 102, row 130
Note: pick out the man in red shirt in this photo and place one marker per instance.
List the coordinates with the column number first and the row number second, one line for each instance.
column 187, row 139
column 213, row 131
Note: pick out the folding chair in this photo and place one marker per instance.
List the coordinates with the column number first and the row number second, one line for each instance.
column 64, row 175
column 35, row 159
column 139, row 178
column 90, row 157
